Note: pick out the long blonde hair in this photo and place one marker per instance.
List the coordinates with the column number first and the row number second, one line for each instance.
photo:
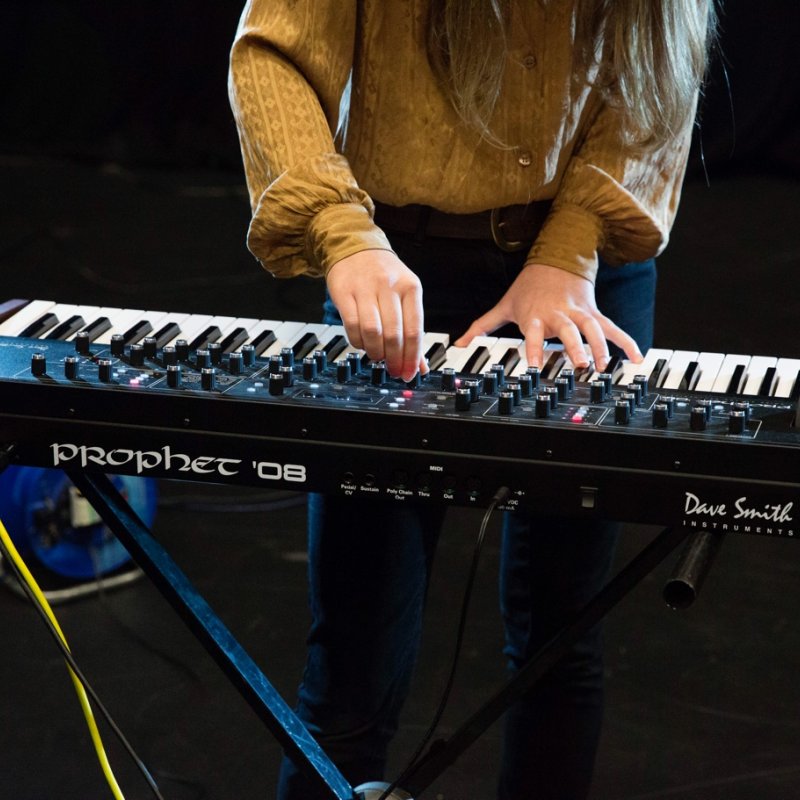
column 650, row 57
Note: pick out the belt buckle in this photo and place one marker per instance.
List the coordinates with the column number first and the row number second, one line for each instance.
column 499, row 237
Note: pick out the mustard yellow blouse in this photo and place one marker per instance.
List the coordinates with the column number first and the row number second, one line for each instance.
column 311, row 190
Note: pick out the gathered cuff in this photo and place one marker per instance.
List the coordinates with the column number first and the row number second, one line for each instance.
column 312, row 216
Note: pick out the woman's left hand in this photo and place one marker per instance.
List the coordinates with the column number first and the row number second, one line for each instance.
column 548, row 302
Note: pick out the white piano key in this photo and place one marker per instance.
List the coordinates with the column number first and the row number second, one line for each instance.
column 13, row 326
column 551, row 366
column 709, row 365
column 288, row 333
column 756, row 370
column 458, row 356
column 644, row 367
column 676, row 368
column 726, row 372
column 787, row 370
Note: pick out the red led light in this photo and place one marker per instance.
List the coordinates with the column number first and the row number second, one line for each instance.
column 408, row 393
column 577, row 418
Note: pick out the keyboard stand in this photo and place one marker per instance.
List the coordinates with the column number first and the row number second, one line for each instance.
column 279, row 718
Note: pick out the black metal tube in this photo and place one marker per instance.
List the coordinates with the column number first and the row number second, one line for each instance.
column 694, row 562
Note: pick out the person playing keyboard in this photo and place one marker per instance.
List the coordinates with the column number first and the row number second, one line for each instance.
column 471, row 167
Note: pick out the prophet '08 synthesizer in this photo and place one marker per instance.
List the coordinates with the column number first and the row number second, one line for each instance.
column 698, row 439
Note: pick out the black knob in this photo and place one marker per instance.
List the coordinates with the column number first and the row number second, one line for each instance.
column 562, row 388
column 354, row 360
column 215, row 353
column 208, row 378
column 525, row 383
column 660, row 415
column 737, row 422
column 516, row 392
column 117, row 345
column 174, row 376
column 202, row 359
column 182, row 349
column 569, row 374
column 536, row 376
column 82, row 343
column 321, row 357
column 542, row 406
column 552, row 393
column 288, row 376
column 378, row 373
column 136, row 355
column 71, row 367
column 490, row 382
column 606, row 379
column 104, row 369
column 448, row 379
column 463, row 399
column 474, row 387
column 744, row 407
column 287, row 356
column 630, row 399
column 597, row 392
column 38, row 364
column 275, row 384
column 309, row 368
column 500, row 371
column 635, row 389
column 622, row 411
column 697, row 419
column 669, row 402
column 248, row 355
column 343, row 371
column 169, row 356
column 641, row 380
column 505, row 403
column 150, row 345
column 707, row 406
column 235, row 363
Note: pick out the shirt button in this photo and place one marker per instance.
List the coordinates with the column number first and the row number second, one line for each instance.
column 524, row 158
column 529, row 62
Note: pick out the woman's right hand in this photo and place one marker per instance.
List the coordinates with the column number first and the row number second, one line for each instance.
column 380, row 301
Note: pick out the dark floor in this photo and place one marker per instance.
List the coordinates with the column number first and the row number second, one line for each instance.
column 702, row 704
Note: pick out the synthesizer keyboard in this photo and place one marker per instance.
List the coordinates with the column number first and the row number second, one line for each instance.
column 698, row 439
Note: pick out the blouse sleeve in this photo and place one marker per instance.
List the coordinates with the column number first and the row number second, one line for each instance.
column 614, row 199
column 289, row 66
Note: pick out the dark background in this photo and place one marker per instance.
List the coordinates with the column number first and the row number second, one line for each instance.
column 121, row 185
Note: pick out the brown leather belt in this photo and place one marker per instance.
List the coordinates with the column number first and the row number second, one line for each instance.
column 510, row 228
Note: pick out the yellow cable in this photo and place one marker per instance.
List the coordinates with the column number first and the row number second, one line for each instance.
column 82, row 696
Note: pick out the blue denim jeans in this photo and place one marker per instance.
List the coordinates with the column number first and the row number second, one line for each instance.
column 370, row 561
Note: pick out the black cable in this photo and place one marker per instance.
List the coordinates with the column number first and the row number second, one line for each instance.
column 68, row 657
column 499, row 497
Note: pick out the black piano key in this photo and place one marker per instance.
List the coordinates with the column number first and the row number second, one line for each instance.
column 613, row 367
column 166, row 334
column 690, row 377
column 795, row 393
column 553, row 363
column 304, row 345
column 234, row 340
column 210, row 334
column 510, row 359
column 436, row 355
column 335, row 346
column 137, row 332
column 476, row 361
column 97, row 327
column 40, row 327
column 765, row 389
column 658, row 375
column 264, row 340
column 66, row 328
column 736, row 380
column 11, row 307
